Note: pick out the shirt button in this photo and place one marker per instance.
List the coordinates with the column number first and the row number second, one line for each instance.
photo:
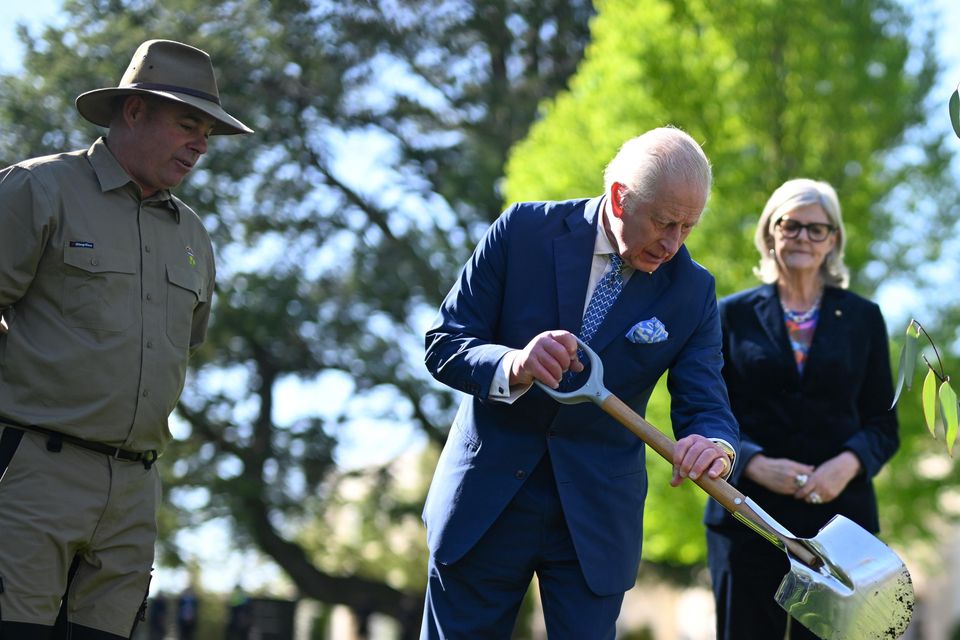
column 94, row 261
column 145, row 393
column 520, row 474
column 149, row 344
column 149, row 296
column 147, row 248
column 551, row 433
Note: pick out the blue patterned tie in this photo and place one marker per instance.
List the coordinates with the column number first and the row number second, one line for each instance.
column 603, row 297
column 606, row 293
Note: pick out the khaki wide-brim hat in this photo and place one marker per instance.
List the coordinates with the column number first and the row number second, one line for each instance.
column 170, row 70
column 955, row 110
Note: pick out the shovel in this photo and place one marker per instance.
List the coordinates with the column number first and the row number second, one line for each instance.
column 844, row 584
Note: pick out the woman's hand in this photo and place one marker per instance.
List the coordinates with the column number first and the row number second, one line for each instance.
column 780, row 475
column 830, row 479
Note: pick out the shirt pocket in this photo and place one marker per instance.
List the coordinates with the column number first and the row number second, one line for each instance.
column 98, row 288
column 185, row 291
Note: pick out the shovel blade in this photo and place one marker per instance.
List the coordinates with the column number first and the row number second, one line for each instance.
column 863, row 590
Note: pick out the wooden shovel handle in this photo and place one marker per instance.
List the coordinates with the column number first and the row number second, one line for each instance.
column 718, row 488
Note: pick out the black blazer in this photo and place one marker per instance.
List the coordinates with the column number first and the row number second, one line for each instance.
column 841, row 402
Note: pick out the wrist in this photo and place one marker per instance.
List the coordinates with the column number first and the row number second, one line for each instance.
column 512, row 359
column 729, row 452
column 851, row 461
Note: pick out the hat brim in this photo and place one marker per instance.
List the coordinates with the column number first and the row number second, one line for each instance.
column 955, row 111
column 97, row 107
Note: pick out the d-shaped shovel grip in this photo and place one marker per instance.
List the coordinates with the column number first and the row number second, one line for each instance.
column 719, row 489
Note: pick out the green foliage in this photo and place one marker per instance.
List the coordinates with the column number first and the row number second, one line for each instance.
column 908, row 358
column 941, row 413
column 773, row 90
column 748, row 80
column 931, row 415
column 667, row 537
column 642, row 634
column 949, row 410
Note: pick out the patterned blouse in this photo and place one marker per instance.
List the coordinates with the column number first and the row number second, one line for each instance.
column 800, row 327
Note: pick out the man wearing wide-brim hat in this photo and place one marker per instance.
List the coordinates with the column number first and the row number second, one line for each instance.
column 106, row 281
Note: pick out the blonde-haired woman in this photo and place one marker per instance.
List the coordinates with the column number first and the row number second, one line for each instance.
column 807, row 368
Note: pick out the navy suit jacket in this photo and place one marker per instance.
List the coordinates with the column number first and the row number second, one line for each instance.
column 841, row 402
column 529, row 274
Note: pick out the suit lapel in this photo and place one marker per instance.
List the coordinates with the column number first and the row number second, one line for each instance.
column 831, row 315
column 572, row 256
column 770, row 315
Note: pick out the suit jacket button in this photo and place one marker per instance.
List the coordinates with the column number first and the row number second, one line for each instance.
column 521, row 474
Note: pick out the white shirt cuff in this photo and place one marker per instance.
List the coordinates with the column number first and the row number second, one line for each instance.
column 731, row 454
column 500, row 390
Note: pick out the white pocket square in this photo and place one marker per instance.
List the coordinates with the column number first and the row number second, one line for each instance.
column 648, row 332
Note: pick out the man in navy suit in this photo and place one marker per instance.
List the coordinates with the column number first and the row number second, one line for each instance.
column 525, row 485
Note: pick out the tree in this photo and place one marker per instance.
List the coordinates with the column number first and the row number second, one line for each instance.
column 382, row 128
column 773, row 90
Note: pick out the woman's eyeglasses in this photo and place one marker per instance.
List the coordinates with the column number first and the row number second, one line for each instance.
column 816, row 231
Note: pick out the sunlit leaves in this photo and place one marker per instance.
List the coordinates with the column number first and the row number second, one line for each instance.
column 948, row 404
column 931, row 413
column 910, row 348
column 908, row 358
column 941, row 413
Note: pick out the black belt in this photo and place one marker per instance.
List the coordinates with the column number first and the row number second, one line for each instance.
column 55, row 441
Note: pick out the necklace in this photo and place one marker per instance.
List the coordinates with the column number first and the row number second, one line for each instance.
column 802, row 316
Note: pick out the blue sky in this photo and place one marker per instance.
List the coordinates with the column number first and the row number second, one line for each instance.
column 34, row 13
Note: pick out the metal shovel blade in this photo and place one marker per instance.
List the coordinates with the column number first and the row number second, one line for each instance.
column 866, row 593
column 844, row 583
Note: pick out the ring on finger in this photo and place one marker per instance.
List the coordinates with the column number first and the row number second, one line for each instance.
column 800, row 480
column 815, row 498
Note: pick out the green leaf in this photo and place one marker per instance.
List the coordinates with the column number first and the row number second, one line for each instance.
column 929, row 400
column 899, row 385
column 948, row 407
column 908, row 358
column 910, row 348
column 913, row 329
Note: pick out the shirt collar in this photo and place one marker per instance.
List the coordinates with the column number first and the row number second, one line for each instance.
column 602, row 245
column 112, row 176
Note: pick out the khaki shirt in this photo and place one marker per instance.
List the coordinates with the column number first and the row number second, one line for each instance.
column 104, row 296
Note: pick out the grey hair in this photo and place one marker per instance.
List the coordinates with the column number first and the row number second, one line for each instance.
column 642, row 161
column 790, row 196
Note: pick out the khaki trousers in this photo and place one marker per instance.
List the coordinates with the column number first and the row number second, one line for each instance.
column 55, row 506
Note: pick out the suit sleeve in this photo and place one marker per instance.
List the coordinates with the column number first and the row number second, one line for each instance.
column 878, row 439
column 699, row 402
column 460, row 347
column 748, row 446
